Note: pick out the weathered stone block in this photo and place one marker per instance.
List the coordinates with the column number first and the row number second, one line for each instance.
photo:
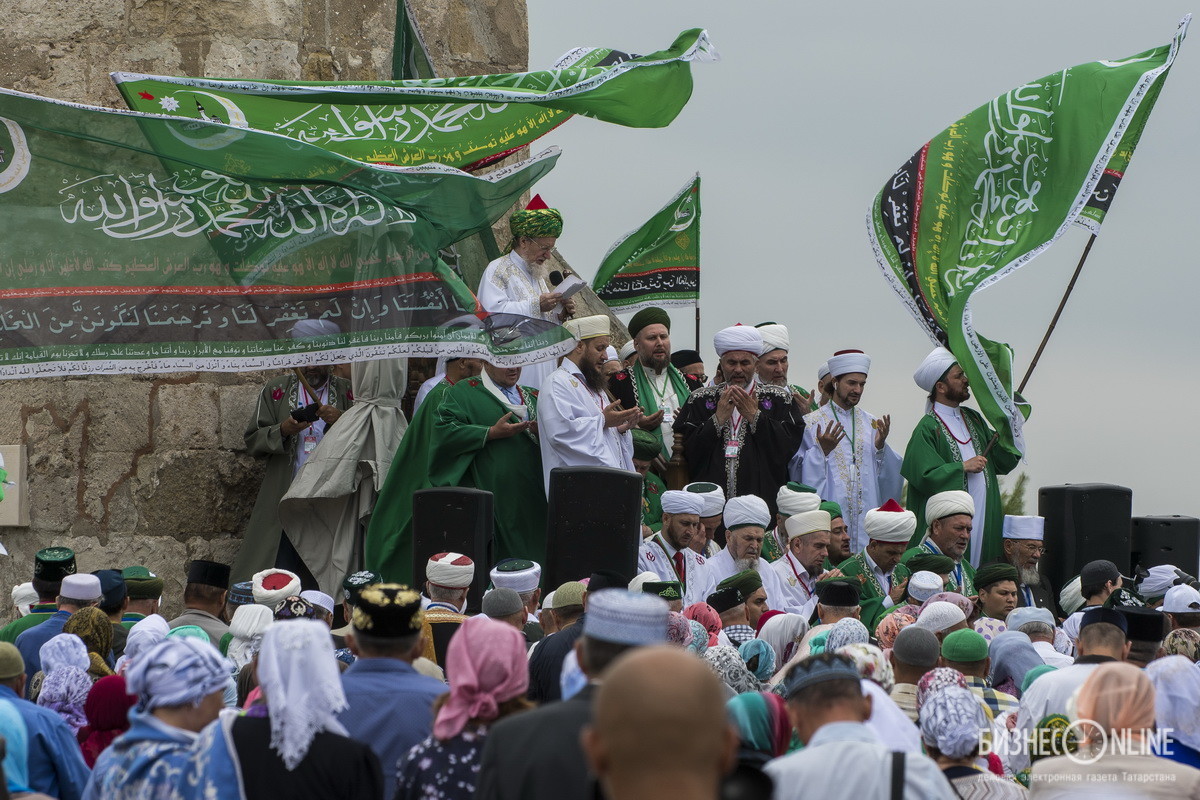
column 236, row 404
column 186, row 416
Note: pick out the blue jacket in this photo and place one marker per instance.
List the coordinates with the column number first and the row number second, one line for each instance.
column 56, row 765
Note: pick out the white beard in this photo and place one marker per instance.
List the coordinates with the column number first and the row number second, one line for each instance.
column 1029, row 577
column 743, row 564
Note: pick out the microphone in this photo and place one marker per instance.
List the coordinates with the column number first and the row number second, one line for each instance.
column 556, row 278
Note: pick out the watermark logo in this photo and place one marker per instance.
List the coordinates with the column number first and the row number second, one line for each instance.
column 1083, row 741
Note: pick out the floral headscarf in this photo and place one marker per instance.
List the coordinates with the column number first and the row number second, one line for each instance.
column 679, row 629
column 890, row 626
column 728, row 665
column 846, row 631
column 707, row 616
column 699, row 638
column 871, row 664
column 1183, row 642
column 935, row 679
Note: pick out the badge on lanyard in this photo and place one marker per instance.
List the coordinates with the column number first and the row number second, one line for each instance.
column 731, row 448
column 310, row 443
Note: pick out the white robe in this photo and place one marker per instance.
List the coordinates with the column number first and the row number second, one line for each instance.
column 571, row 426
column 796, row 583
column 656, row 555
column 510, row 285
column 859, row 478
column 976, row 481
column 721, row 566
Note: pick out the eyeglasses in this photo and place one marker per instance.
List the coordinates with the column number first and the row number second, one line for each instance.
column 1034, row 548
column 539, row 246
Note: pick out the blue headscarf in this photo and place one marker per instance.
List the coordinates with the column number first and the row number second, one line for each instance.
column 765, row 667
column 16, row 739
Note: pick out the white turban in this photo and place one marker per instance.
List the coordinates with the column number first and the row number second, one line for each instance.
column 939, row 616
column 947, row 504
column 774, row 336
column 451, row 570
column 933, row 368
column 627, row 350
column 807, row 522
column 790, row 501
column 1024, row 527
column 23, row 597
column 314, row 327
column 746, row 510
column 822, row 371
column 844, row 362
column 713, row 495
column 924, row 585
column 589, row 327
column 677, row 502
column 272, row 586
column 890, row 523
column 643, row 578
column 739, row 337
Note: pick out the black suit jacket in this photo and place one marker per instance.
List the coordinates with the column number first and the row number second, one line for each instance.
column 1043, row 597
column 624, row 387
column 537, row 755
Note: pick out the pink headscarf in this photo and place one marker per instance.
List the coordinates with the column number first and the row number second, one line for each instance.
column 1118, row 697
column 707, row 616
column 962, row 601
column 485, row 665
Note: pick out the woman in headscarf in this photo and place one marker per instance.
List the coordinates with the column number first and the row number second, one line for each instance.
column 14, row 746
column 1012, row 656
column 871, row 664
column 246, row 630
column 93, row 626
column 144, row 634
column 699, row 638
column 889, row 628
column 1115, row 717
column 759, row 658
column 1183, row 642
column 488, row 673
column 65, row 681
column 107, row 710
column 935, row 679
column 847, row 630
column 1176, row 682
column 291, row 745
column 952, row 726
column 679, row 630
column 707, row 616
column 765, row 732
column 784, row 633
column 891, row 725
column 959, row 600
column 728, row 665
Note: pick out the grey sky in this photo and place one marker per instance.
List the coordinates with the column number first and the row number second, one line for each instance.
column 811, row 109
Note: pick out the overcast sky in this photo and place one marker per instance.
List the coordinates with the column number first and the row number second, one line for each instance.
column 811, row 109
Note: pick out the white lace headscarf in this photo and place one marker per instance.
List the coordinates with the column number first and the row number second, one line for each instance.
column 144, row 634
column 299, row 676
column 1176, row 687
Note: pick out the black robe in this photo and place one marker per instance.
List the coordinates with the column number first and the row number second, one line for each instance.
column 766, row 447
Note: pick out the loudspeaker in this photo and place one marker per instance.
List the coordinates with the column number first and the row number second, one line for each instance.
column 1084, row 522
column 1173, row 540
column 454, row 520
column 594, row 522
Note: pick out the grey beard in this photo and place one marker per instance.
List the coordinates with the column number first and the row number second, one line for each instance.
column 1029, row 577
column 743, row 564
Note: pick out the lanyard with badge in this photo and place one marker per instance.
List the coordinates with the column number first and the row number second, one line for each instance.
column 308, row 442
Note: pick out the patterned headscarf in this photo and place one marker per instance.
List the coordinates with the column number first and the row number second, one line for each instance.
column 1176, row 686
column 178, row 671
column 784, row 633
column 707, row 616
column 762, row 722
column 728, row 665
column 890, row 626
column 1183, row 642
column 871, row 664
column 764, row 668
column 93, row 626
column 536, row 222
column 64, row 650
column 64, row 691
column 699, row 638
column 679, row 629
column 938, row 678
column 989, row 628
column 962, row 601
column 952, row 720
column 846, row 631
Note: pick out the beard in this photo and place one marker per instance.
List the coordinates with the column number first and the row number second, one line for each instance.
column 743, row 564
column 593, row 377
column 1029, row 576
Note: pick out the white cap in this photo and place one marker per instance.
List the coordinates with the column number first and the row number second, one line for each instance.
column 738, row 337
column 939, row 616
column 1026, row 614
column 924, row 585
column 619, row 616
column 318, row 599
column 81, row 587
column 1182, row 599
column 822, row 371
column 627, row 349
column 1024, row 527
column 844, row 362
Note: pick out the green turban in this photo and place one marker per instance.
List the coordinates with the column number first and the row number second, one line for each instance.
column 747, row 582
column 645, row 446
column 536, row 222
column 835, row 510
column 991, row 574
column 932, row 562
column 647, row 317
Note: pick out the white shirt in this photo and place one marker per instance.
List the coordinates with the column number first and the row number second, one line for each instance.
column 976, row 481
column 658, row 556
column 668, row 403
column 1051, row 656
column 798, row 586
column 426, row 388
column 571, row 428
column 1047, row 695
column 511, row 285
column 721, row 566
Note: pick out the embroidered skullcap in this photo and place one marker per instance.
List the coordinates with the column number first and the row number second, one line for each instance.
column 667, row 590
column 178, row 671
column 388, row 611
column 934, row 368
column 1158, row 580
column 951, row 720
column 141, row 583
column 1024, row 527
column 819, row 669
column 678, row 502
column 805, row 523
column 724, row 599
column 54, row 563
column 451, row 570
column 1181, row 599
column 924, row 585
column 936, row 563
column 647, row 317
column 356, row 582
column 964, row 647
column 568, row 594
column 645, row 446
column 948, row 504
column 641, row 579
column 774, row 336
column 518, row 574
column 685, row 358
column 81, row 587
column 501, row 602
column 843, row 362
column 890, row 523
column 610, row 354
column 822, row 371
column 536, row 220
column 796, row 498
column 834, row 509
column 738, row 337
column 271, row 586
column 241, row 594
column 1027, row 614
column 939, row 616
column 745, row 510
column 627, row 350
column 318, row 599
column 747, row 582
column 619, row 616
column 24, row 596
column 314, row 327
column 589, row 327
column 714, row 497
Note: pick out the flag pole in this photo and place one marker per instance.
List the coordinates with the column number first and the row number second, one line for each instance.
column 697, row 324
column 1049, row 330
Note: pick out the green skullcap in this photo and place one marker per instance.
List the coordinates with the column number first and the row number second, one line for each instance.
column 647, row 317
column 11, row 663
column 835, row 510
column 932, row 562
column 645, row 446
column 141, row 583
column 991, row 574
column 747, row 582
column 964, row 647
column 536, row 222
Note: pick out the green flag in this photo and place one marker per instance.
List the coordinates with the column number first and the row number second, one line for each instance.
column 462, row 122
column 410, row 58
column 659, row 263
column 134, row 243
column 995, row 189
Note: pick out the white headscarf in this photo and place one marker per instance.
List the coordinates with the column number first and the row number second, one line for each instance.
column 180, row 670
column 784, row 632
column 247, row 627
column 890, row 724
column 64, row 650
column 1176, row 687
column 144, row 634
column 299, row 675
column 23, row 597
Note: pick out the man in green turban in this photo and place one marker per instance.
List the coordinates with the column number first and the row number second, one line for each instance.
column 518, row 282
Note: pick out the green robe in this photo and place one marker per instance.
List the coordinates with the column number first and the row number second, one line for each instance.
column 41, row 612
column 932, row 464
column 652, row 489
column 871, row 593
column 264, row 438
column 967, row 587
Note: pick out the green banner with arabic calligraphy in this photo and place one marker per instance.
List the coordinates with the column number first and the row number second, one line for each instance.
column 659, row 263
column 134, row 243
column 991, row 192
column 462, row 122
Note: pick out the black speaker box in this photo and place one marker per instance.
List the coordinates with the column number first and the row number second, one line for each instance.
column 1173, row 540
column 594, row 522
column 1084, row 522
column 454, row 520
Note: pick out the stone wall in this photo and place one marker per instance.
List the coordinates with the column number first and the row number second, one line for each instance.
column 152, row 470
